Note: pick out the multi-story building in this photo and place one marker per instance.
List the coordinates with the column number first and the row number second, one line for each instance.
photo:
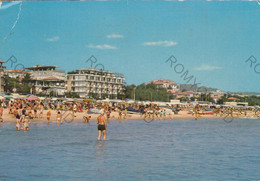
column 16, row 73
column 167, row 84
column 47, row 79
column 86, row 82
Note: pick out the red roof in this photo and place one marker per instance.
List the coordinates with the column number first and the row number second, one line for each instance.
column 1, row 61
column 162, row 81
column 233, row 98
column 17, row 71
column 181, row 93
column 50, row 78
column 191, row 92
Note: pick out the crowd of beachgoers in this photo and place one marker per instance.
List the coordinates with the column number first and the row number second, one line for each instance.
column 24, row 111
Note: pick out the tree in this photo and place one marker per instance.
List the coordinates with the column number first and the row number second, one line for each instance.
column 145, row 92
column 21, row 85
column 94, row 95
column 71, row 95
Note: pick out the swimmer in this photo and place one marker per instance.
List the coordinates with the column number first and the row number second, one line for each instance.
column 18, row 126
column 1, row 112
column 196, row 112
column 58, row 118
column 41, row 106
column 48, row 116
column 102, row 126
column 35, row 111
column 108, row 115
column 164, row 114
column 169, row 116
column 86, row 118
column 119, row 114
column 26, row 123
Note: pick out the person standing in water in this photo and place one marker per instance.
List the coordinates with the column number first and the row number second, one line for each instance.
column 1, row 113
column 102, row 126
column 48, row 116
column 58, row 118
column 26, row 123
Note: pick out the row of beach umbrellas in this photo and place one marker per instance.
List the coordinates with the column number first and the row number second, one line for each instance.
column 30, row 97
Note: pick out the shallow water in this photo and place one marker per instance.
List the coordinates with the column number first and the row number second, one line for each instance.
column 135, row 150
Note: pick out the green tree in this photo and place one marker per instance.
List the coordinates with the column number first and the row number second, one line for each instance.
column 149, row 92
column 71, row 95
column 22, row 86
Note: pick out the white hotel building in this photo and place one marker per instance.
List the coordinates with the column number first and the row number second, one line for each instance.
column 86, row 82
column 47, row 79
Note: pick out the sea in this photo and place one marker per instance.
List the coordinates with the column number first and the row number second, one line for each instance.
column 186, row 149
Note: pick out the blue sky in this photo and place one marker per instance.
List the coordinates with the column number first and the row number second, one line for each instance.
column 212, row 40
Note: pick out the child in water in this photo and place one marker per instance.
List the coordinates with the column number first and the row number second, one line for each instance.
column 26, row 123
column 169, row 116
column 86, row 118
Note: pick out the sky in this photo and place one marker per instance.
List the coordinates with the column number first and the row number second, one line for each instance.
column 211, row 40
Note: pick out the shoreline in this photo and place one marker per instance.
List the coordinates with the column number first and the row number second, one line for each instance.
column 114, row 116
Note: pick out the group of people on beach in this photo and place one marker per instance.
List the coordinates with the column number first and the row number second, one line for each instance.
column 25, row 110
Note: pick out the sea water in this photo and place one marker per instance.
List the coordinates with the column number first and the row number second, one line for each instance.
column 135, row 150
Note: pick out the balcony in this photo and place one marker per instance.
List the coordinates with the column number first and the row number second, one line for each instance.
column 78, row 85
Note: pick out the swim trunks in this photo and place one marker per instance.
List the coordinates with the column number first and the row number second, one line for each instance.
column 101, row 127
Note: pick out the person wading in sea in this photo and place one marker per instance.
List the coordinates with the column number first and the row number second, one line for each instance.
column 102, row 126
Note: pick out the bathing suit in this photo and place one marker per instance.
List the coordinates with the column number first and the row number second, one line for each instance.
column 26, row 125
column 17, row 116
column 101, row 127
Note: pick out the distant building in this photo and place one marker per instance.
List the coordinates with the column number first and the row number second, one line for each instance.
column 86, row 82
column 236, row 103
column 167, row 84
column 216, row 95
column 47, row 79
column 233, row 99
column 188, row 94
column 16, row 73
column 2, row 79
column 175, row 101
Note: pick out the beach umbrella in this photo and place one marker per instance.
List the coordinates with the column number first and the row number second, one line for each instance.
column 33, row 99
column 8, row 97
column 29, row 95
column 22, row 96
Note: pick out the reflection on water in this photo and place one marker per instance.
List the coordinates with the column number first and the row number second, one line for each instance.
column 100, row 147
column 134, row 150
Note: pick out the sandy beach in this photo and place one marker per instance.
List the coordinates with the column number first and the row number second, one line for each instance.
column 114, row 116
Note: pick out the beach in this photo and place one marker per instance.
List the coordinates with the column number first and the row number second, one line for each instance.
column 114, row 116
